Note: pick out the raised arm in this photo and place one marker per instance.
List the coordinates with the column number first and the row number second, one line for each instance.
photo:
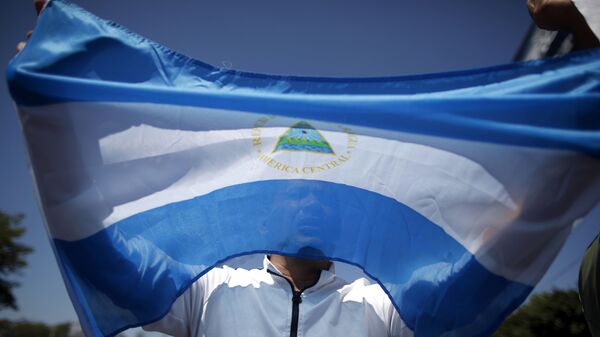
column 563, row 15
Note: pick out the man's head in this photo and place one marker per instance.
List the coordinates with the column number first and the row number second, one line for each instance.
column 307, row 208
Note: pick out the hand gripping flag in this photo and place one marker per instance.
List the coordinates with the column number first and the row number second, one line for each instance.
column 453, row 191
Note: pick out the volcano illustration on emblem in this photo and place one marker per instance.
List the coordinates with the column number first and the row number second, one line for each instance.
column 303, row 137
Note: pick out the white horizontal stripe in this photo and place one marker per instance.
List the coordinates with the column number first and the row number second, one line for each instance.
column 116, row 166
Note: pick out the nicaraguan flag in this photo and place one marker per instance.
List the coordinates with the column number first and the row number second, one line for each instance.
column 454, row 191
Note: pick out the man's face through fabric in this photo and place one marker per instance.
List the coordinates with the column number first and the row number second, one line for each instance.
column 308, row 212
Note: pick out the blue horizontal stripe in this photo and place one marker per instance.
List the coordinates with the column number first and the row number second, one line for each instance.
column 547, row 104
column 110, row 47
column 129, row 273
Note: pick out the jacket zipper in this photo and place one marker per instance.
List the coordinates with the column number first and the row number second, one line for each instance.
column 296, row 300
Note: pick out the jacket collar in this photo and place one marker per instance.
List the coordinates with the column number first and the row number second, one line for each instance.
column 326, row 276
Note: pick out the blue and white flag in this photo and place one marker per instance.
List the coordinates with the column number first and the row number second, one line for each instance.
column 454, row 191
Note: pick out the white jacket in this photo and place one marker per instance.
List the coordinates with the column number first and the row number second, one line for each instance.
column 260, row 302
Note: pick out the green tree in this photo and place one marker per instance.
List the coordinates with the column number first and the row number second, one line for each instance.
column 12, row 256
column 553, row 314
column 33, row 329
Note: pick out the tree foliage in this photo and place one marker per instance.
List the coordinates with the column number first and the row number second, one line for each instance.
column 552, row 314
column 33, row 329
column 12, row 256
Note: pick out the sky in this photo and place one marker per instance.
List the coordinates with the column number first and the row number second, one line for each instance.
column 312, row 37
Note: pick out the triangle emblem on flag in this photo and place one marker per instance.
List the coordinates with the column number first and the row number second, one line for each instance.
column 303, row 137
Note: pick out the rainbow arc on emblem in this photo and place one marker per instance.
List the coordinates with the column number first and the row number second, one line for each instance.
column 303, row 137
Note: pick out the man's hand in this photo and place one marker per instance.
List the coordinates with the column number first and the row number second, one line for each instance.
column 39, row 6
column 553, row 14
column 562, row 15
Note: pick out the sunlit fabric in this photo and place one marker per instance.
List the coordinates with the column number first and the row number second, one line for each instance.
column 454, row 191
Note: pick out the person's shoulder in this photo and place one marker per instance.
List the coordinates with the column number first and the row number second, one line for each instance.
column 362, row 289
column 372, row 295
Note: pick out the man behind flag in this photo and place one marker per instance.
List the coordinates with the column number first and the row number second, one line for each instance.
column 442, row 270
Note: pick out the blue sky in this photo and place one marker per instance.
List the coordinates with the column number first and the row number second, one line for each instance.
column 312, row 37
